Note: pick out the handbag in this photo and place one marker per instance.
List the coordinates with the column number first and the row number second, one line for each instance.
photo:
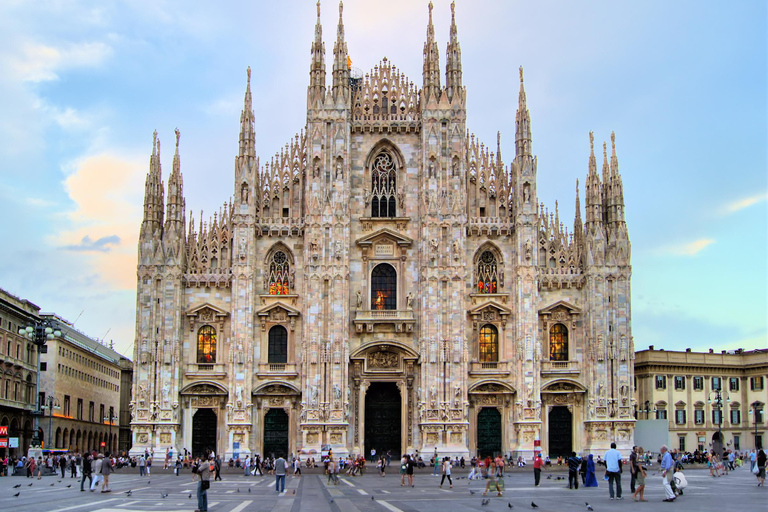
column 205, row 484
column 755, row 470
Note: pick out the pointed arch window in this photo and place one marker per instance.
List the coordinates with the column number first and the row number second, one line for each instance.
column 206, row 345
column 489, row 344
column 383, row 186
column 558, row 343
column 487, row 273
column 279, row 274
column 384, row 287
column 278, row 345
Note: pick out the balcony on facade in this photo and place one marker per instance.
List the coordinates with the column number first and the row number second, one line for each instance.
column 277, row 370
column 491, row 226
column 367, row 320
column 206, row 370
column 560, row 368
column 488, row 369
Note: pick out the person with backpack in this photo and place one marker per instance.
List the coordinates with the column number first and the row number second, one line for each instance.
column 446, row 471
column 203, row 471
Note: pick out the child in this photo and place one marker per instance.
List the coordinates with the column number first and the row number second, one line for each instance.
column 639, row 483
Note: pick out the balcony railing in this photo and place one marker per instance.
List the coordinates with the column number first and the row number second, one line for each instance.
column 283, row 369
column 557, row 367
column 215, row 370
column 403, row 319
column 489, row 368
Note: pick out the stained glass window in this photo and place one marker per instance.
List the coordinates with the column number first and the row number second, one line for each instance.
column 489, row 344
column 279, row 274
column 278, row 345
column 558, row 343
column 383, row 186
column 206, row 344
column 384, row 287
column 487, row 273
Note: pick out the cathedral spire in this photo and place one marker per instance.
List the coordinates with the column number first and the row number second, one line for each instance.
column 523, row 122
column 316, row 90
column 593, row 188
column 153, row 192
column 431, row 63
column 341, row 62
column 247, row 136
column 453, row 59
column 617, row 187
column 577, row 225
column 498, row 149
column 174, row 218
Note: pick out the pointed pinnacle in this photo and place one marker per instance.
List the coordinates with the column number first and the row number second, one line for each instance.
column 318, row 8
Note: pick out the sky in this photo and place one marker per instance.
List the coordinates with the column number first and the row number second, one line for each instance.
column 683, row 84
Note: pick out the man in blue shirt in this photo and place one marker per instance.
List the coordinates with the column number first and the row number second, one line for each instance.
column 667, row 470
column 613, row 467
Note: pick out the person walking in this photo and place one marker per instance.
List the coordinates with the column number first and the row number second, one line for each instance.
column 257, row 466
column 203, row 471
column 217, row 468
column 538, row 464
column 667, row 470
column 590, row 480
column 148, row 464
column 280, row 474
column 98, row 477
column 574, row 462
column 373, row 455
column 639, row 478
column 446, row 472
column 760, row 460
column 403, row 469
column 409, row 470
column 106, row 470
column 613, row 467
column 632, row 469
column 142, row 466
column 86, row 472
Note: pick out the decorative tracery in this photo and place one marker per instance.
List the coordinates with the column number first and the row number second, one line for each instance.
column 279, row 274
column 383, row 186
column 487, row 273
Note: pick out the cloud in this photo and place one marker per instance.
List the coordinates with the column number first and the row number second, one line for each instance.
column 746, row 202
column 101, row 245
column 41, row 63
column 687, row 249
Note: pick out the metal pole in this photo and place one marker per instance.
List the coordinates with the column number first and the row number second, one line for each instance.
column 50, row 421
column 35, row 435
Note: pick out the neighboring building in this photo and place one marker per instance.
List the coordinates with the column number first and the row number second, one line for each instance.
column 83, row 377
column 18, row 373
column 681, row 387
column 385, row 281
column 126, row 387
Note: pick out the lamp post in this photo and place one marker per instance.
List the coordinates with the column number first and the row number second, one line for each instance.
column 53, row 403
column 648, row 409
column 40, row 332
column 753, row 412
column 718, row 403
column 109, row 419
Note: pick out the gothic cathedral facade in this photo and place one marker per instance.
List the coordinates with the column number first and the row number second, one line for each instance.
column 385, row 282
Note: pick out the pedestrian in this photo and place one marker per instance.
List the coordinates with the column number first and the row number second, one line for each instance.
column 403, row 469
column 613, row 470
column 142, row 466
column 574, row 462
column 97, row 476
column 148, row 464
column 280, row 474
column 435, row 464
column 409, row 470
column 331, row 470
column 373, row 454
column 591, row 480
column 203, row 470
column 760, row 459
column 538, row 465
column 446, row 472
column 583, row 471
column 632, row 468
column 86, row 472
column 639, row 478
column 106, row 470
column 257, row 466
column 177, row 466
column 667, row 471
column 382, row 465
column 297, row 466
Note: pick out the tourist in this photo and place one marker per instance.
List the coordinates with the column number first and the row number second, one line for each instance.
column 667, row 470
column 590, row 480
column 583, row 470
column 106, row 470
column 96, row 466
column 382, row 465
column 148, row 464
column 177, row 466
column 280, row 474
column 142, row 466
column 86, row 471
column 373, row 454
column 639, row 479
column 435, row 464
column 760, row 468
column 297, row 466
column 203, row 470
column 473, row 471
column 409, row 470
column 446, row 471
column 574, row 462
column 632, row 468
column 613, row 469
column 537, row 466
column 403, row 469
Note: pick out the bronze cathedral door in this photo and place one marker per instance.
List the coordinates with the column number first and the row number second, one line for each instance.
column 382, row 419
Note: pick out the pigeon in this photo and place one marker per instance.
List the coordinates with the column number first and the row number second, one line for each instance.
column 148, row 482
column 190, row 495
column 485, row 502
column 533, row 505
column 70, row 485
column 331, row 501
column 509, row 505
column 30, row 485
column 589, row 507
column 52, row 485
column 549, row 477
column 163, row 495
column 17, row 486
column 249, row 489
column 59, row 481
column 471, row 492
column 238, row 489
column 16, row 495
column 373, row 498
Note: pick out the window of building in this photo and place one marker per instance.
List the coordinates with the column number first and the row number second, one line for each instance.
column 733, row 384
column 736, row 442
column 487, row 273
column 43, row 366
column 735, row 416
column 756, row 383
column 681, row 443
column 698, row 383
column 383, row 186
column 758, row 411
column 206, row 344
column 698, row 416
column 91, row 411
column 717, row 384
column 717, row 417
column 40, row 396
column 661, row 413
column 279, row 274
column 384, row 287
column 679, row 382
column 489, row 344
column 79, row 411
column 66, row 405
column 661, row 382
column 680, row 416
column 558, row 343
column 278, row 345
column 101, row 413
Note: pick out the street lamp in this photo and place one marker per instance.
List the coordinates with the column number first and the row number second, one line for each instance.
column 647, row 409
column 754, row 413
column 718, row 402
column 109, row 419
column 40, row 332
column 53, row 403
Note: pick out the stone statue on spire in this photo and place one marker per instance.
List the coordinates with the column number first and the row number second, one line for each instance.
column 178, row 136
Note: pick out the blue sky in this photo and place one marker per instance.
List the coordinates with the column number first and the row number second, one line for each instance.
column 683, row 84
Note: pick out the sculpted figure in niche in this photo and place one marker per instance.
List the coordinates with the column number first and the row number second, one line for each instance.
column 527, row 193
column 359, row 299
column 366, row 196
column 339, row 170
column 409, row 301
column 455, row 250
column 336, row 392
column 244, row 194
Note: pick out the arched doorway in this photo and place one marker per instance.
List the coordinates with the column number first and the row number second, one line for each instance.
column 276, row 433
column 204, row 432
column 382, row 419
column 560, row 432
column 488, row 432
column 717, row 443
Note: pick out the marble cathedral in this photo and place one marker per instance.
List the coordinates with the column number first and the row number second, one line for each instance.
column 386, row 281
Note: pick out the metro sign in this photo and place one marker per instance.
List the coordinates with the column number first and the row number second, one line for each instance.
column 4, row 431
